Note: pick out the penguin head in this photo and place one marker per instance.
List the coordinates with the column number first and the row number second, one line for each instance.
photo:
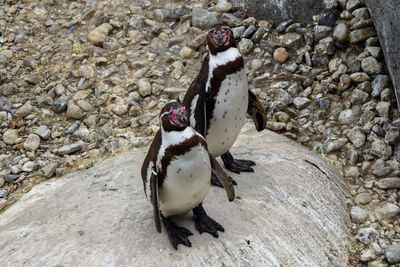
column 174, row 117
column 220, row 38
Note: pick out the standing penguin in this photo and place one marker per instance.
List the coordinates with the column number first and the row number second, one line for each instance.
column 219, row 98
column 176, row 175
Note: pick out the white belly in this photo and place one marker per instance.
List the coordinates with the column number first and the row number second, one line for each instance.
column 187, row 182
column 229, row 114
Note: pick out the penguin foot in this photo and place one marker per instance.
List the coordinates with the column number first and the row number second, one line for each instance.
column 177, row 235
column 215, row 181
column 237, row 165
column 204, row 223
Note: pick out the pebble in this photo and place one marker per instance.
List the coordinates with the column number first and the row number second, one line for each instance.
column 321, row 32
column 358, row 214
column 32, row 143
column 186, row 52
column 71, row 148
column 28, row 166
column 344, row 82
column 280, row 55
column 367, row 255
column 291, row 40
column 49, row 170
column 341, row 33
column 386, row 210
column 356, row 137
column 367, row 235
column 74, row 111
column 364, row 198
column 301, row 102
column 325, row 46
column 335, row 145
column 10, row 136
column 99, row 34
column 328, row 17
column 249, row 31
column 43, row 132
column 25, row 110
column 380, row 149
column 359, row 77
column 383, row 108
column 379, row 83
column 392, row 253
column 358, row 97
column 9, row 178
column 60, row 104
column 371, row 66
column 144, row 87
column 347, row 116
column 283, row 25
column 388, row 183
column 360, row 35
column 256, row 64
column 223, row 6
column 245, row 46
column 203, row 19
column 353, row 4
column 231, row 20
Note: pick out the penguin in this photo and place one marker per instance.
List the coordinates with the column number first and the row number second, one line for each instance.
column 176, row 175
column 218, row 99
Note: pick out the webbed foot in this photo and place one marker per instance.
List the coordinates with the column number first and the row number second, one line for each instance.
column 215, row 181
column 237, row 165
column 206, row 224
column 177, row 235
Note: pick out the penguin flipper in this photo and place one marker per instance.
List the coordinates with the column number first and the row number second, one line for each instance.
column 154, row 198
column 223, row 178
column 257, row 112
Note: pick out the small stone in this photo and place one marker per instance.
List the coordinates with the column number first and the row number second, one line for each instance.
column 275, row 126
column 379, row 83
column 335, row 145
column 203, row 19
column 353, row 4
column 357, row 36
column 120, row 109
column 28, row 166
column 301, row 102
column 325, row 46
column 344, row 82
column 341, row 33
column 321, row 32
column 374, row 51
column 255, row 64
column 84, row 105
column 176, row 13
column 383, row 108
column 99, row 34
column 74, row 111
column 245, row 46
column 358, row 97
column 389, row 183
column 8, row 89
column 49, row 170
column 25, row 110
column 386, row 211
column 393, row 253
column 358, row 214
column 238, row 31
column 32, row 143
column 359, row 77
column 223, row 6
column 10, row 136
column 9, row 178
column 43, row 132
column 71, row 148
column 371, row 66
column 144, row 87
column 367, row 256
column 231, row 20
column 60, row 104
column 382, row 150
column 378, row 130
column 357, row 137
column 258, row 35
column 351, row 171
column 364, row 198
column 347, row 116
column 280, row 55
column 249, row 31
column 291, row 39
column 392, row 136
column 367, row 235
column 186, row 52
column 328, row 17
column 282, row 116
column 283, row 25
column 323, row 103
column 136, row 22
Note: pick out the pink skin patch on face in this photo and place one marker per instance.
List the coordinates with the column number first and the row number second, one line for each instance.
column 174, row 113
column 214, row 39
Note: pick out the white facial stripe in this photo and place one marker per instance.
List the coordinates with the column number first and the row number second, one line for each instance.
column 221, row 58
column 192, row 110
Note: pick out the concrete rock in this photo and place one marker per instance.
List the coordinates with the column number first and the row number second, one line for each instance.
column 295, row 217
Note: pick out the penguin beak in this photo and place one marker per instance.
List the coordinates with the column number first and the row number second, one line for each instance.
column 181, row 118
column 219, row 36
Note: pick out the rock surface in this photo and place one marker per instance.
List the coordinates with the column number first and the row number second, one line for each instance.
column 386, row 19
column 290, row 212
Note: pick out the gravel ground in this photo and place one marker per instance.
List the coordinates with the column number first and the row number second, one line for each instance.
column 82, row 80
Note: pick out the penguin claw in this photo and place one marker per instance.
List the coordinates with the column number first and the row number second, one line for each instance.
column 177, row 235
column 215, row 181
column 204, row 223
